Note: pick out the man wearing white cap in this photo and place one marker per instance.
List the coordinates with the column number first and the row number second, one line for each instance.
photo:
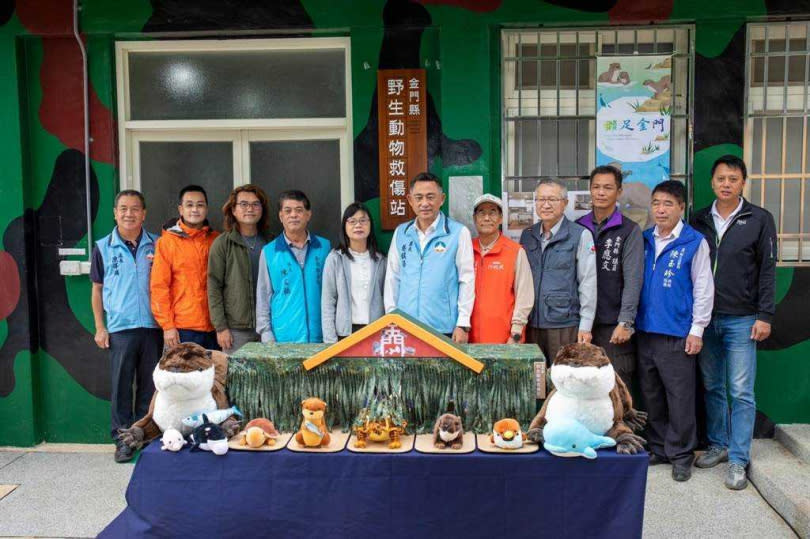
column 504, row 291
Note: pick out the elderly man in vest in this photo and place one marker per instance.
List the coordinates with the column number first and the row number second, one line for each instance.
column 288, row 295
column 561, row 255
column 504, row 291
column 430, row 273
column 120, row 268
column 675, row 307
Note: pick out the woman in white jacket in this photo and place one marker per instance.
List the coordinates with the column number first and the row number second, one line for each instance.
column 353, row 277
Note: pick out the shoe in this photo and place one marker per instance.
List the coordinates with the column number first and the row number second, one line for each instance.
column 735, row 477
column 122, row 452
column 657, row 459
column 681, row 472
column 711, row 458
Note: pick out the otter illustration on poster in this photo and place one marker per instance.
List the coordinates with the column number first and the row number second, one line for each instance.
column 633, row 113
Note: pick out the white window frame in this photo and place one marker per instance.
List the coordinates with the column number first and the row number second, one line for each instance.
column 239, row 131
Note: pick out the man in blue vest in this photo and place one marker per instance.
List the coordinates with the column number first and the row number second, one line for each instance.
column 431, row 273
column 675, row 308
column 742, row 239
column 288, row 293
column 563, row 261
column 120, row 269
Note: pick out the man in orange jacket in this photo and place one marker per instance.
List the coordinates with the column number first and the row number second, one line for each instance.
column 504, row 290
column 180, row 274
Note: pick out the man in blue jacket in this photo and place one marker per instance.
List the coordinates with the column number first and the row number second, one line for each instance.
column 431, row 273
column 675, row 307
column 288, row 291
column 120, row 269
column 742, row 240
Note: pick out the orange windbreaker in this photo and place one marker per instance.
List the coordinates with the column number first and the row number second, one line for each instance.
column 179, row 278
column 491, row 319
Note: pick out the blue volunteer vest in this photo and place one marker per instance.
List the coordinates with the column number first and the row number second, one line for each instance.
column 125, row 291
column 295, row 308
column 428, row 280
column 666, row 297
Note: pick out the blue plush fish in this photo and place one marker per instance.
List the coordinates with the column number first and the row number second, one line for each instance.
column 214, row 416
column 570, row 438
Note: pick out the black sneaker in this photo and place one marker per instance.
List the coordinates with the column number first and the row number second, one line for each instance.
column 711, row 458
column 681, row 472
column 122, row 452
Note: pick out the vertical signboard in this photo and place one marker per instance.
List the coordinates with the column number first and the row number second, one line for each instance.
column 402, row 137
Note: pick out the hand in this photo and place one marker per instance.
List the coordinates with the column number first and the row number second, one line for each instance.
column 171, row 338
column 460, row 336
column 584, row 336
column 693, row 345
column 225, row 339
column 760, row 331
column 620, row 335
column 510, row 340
column 102, row 338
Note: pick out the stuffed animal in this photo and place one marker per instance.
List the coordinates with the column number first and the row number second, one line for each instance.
column 506, row 434
column 588, row 390
column 448, row 432
column 187, row 379
column 209, row 437
column 259, row 432
column 215, row 416
column 570, row 438
column 382, row 420
column 172, row 440
column 313, row 431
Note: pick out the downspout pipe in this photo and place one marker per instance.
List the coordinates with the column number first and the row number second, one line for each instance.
column 86, row 110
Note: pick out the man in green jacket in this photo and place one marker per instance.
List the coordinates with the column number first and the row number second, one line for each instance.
column 233, row 267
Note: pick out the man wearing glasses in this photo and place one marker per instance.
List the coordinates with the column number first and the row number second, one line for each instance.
column 288, row 297
column 563, row 261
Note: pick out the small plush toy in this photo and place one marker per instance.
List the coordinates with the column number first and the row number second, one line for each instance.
column 313, row 431
column 448, row 432
column 215, row 416
column 570, row 438
column 506, row 434
column 259, row 432
column 209, row 437
column 172, row 440
column 382, row 420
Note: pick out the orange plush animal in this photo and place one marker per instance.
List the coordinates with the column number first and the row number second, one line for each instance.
column 313, row 432
column 506, row 434
column 259, row 432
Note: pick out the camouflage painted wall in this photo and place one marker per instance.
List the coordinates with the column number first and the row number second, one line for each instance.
column 54, row 382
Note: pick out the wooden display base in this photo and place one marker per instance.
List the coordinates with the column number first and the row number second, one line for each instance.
column 336, row 444
column 281, row 441
column 424, row 444
column 382, row 447
column 488, row 447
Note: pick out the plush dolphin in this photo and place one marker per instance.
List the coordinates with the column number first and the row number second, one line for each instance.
column 570, row 438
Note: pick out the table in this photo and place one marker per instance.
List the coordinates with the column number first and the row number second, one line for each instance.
column 289, row 494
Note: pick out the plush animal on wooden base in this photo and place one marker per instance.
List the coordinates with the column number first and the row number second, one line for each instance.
column 259, row 432
column 313, row 431
column 381, row 420
column 588, row 390
column 187, row 379
column 448, row 432
column 209, row 437
column 506, row 434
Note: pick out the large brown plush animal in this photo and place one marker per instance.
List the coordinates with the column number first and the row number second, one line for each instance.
column 188, row 379
column 588, row 390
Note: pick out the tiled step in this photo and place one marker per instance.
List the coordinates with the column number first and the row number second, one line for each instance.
column 796, row 438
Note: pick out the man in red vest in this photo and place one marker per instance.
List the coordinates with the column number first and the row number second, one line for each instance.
column 504, row 290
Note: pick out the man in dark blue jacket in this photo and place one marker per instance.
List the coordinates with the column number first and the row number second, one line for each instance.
column 742, row 240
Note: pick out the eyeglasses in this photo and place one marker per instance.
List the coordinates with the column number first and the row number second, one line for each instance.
column 363, row 221
column 247, row 205
column 549, row 200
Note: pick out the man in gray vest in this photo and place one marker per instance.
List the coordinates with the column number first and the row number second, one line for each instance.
column 563, row 261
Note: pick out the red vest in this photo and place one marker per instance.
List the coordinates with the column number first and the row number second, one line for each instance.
column 491, row 319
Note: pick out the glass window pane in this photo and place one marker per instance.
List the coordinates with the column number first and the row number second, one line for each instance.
column 568, row 147
column 167, row 167
column 793, row 152
column 773, row 199
column 548, row 148
column 773, row 146
column 312, row 166
column 237, row 84
column 756, row 146
column 792, row 208
column 527, row 154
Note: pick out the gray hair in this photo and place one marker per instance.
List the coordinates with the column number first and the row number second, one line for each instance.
column 556, row 183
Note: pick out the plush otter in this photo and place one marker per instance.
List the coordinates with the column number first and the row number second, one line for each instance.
column 313, row 431
column 187, row 379
column 448, row 432
column 588, row 390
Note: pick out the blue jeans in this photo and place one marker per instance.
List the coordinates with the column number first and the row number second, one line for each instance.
column 729, row 365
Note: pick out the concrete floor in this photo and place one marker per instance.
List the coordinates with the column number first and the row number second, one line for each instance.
column 77, row 494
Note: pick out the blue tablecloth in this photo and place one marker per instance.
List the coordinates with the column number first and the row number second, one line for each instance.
column 288, row 494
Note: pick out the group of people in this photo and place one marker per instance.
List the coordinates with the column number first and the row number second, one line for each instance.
column 657, row 301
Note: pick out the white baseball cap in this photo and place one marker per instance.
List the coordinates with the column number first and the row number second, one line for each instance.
column 487, row 198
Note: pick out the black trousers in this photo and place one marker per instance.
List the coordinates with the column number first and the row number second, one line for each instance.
column 206, row 339
column 134, row 353
column 667, row 379
column 622, row 356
